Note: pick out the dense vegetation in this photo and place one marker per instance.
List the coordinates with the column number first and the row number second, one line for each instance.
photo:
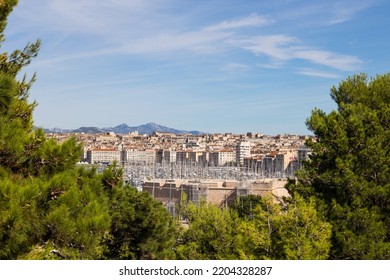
column 52, row 209
column 348, row 173
column 49, row 208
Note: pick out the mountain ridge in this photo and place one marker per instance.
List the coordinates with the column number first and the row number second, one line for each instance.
column 123, row 128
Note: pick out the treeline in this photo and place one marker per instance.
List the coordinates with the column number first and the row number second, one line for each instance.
column 52, row 209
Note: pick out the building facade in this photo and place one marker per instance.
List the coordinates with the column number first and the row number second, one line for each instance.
column 243, row 150
column 109, row 156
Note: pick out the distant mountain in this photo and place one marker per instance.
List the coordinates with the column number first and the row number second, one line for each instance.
column 148, row 128
column 90, row 129
column 56, row 130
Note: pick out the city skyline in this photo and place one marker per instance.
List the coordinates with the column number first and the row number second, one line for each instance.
column 212, row 66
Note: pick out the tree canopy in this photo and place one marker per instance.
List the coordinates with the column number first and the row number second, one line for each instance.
column 348, row 172
column 50, row 208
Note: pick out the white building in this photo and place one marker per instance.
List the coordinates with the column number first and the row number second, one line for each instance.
column 243, row 150
column 139, row 156
column 103, row 156
column 222, row 157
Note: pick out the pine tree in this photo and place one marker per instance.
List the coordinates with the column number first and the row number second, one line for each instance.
column 292, row 231
column 141, row 228
column 348, row 172
column 49, row 208
column 211, row 233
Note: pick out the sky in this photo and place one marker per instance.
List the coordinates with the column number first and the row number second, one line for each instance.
column 210, row 65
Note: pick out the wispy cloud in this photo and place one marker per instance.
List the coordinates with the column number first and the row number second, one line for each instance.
column 205, row 40
column 194, row 41
column 253, row 20
column 282, row 48
column 275, row 46
column 233, row 67
column 149, row 28
column 327, row 58
column 272, row 65
column 345, row 10
column 323, row 13
column 316, row 73
column 109, row 19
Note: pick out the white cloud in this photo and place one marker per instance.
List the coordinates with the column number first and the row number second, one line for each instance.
column 149, row 27
column 207, row 40
column 282, row 48
column 345, row 10
column 327, row 58
column 319, row 13
column 273, row 65
column 197, row 41
column 253, row 20
column 274, row 46
column 233, row 67
column 109, row 18
column 321, row 74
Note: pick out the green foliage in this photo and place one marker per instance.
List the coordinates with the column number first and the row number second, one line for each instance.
column 141, row 228
column 211, row 233
column 8, row 89
column 30, row 153
column 292, row 232
column 360, row 233
column 18, row 59
column 349, row 171
column 69, row 213
column 19, row 217
column 255, row 233
column 49, row 208
column 22, row 149
column 112, row 177
column 11, row 65
column 267, row 230
column 245, row 205
column 77, row 215
column 300, row 233
column 6, row 7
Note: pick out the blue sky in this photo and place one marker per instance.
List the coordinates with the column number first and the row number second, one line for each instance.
column 209, row 65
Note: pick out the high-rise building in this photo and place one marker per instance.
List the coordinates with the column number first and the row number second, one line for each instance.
column 243, row 150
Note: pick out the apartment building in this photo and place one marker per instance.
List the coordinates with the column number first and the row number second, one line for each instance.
column 198, row 156
column 167, row 156
column 282, row 164
column 190, row 156
column 243, row 150
column 103, row 156
column 134, row 156
column 222, row 157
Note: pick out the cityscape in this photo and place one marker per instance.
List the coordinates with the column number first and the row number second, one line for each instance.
column 279, row 149
column 216, row 167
